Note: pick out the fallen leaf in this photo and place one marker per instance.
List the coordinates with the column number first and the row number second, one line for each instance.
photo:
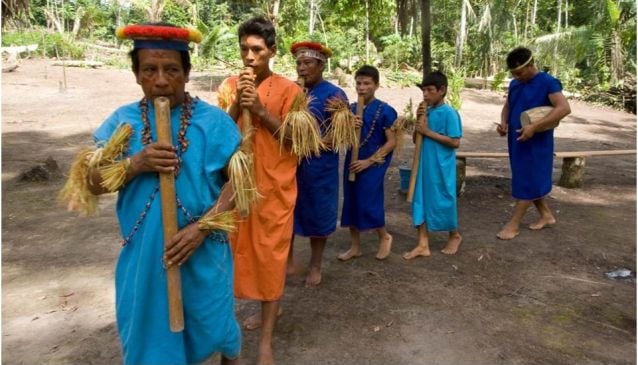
column 595, row 295
column 480, row 258
column 455, row 267
column 34, row 318
column 377, row 328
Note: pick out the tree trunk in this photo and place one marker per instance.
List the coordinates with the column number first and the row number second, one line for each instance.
column 558, row 22
column 311, row 17
column 54, row 20
column 461, row 37
column 275, row 12
column 77, row 22
column 533, row 22
column 367, row 33
column 426, row 25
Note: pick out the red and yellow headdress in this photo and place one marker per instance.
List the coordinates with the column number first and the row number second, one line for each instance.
column 159, row 36
column 310, row 49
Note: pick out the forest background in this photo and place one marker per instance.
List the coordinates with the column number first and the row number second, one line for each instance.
column 590, row 45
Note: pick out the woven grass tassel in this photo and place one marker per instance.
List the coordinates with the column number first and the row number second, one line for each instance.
column 114, row 174
column 76, row 194
column 342, row 132
column 223, row 221
column 241, row 170
column 301, row 128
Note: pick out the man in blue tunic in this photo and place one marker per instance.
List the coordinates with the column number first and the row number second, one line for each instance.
column 205, row 138
column 531, row 148
column 317, row 177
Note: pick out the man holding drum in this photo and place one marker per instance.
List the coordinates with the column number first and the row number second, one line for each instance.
column 531, row 147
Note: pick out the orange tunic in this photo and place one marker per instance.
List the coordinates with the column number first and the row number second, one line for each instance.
column 261, row 244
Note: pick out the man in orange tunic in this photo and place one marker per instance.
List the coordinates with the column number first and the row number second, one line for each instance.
column 262, row 241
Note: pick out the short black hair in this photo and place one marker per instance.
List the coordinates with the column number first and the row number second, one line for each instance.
column 518, row 56
column 258, row 26
column 435, row 78
column 184, row 55
column 367, row 70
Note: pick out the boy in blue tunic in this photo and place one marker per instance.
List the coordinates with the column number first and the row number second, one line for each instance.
column 204, row 139
column 317, row 177
column 531, row 149
column 434, row 201
column 363, row 199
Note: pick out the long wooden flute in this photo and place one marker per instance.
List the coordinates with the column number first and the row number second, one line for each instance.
column 415, row 161
column 355, row 148
column 169, row 216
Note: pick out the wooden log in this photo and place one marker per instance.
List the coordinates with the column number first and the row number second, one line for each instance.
column 415, row 161
column 355, row 148
column 169, row 216
column 76, row 63
column 533, row 115
column 573, row 172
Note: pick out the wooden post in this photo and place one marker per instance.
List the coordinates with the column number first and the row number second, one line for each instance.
column 355, row 148
column 169, row 216
column 573, row 172
column 415, row 161
column 461, row 164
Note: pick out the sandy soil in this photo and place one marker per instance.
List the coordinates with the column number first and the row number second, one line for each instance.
column 542, row 298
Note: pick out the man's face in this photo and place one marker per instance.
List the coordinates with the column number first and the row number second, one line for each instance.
column 255, row 53
column 432, row 95
column 524, row 74
column 366, row 86
column 161, row 74
column 310, row 69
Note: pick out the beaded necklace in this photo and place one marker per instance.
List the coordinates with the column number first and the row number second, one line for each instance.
column 182, row 145
column 374, row 123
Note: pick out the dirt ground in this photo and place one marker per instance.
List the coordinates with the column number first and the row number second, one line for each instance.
column 542, row 298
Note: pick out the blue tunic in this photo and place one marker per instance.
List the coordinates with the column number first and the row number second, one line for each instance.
column 363, row 199
column 434, row 200
column 207, row 276
column 318, row 177
column 531, row 161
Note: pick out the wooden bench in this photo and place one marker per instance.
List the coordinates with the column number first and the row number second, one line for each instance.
column 573, row 169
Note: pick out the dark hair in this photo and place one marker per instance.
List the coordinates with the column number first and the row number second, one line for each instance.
column 184, row 55
column 258, row 26
column 435, row 78
column 518, row 56
column 367, row 70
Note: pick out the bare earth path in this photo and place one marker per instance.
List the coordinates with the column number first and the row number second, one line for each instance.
column 541, row 298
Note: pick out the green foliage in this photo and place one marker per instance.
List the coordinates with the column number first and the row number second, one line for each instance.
column 496, row 83
column 456, row 81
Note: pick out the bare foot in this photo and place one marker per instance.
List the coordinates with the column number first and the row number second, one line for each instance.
column 384, row 247
column 453, row 244
column 542, row 223
column 254, row 321
column 265, row 356
column 350, row 254
column 416, row 252
column 507, row 233
column 292, row 269
column 314, row 277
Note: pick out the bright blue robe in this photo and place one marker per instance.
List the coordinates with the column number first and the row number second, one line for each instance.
column 531, row 161
column 207, row 276
column 363, row 199
column 318, row 177
column 434, row 200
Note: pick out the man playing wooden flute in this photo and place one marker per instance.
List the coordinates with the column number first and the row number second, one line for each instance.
column 262, row 242
column 317, row 177
column 204, row 138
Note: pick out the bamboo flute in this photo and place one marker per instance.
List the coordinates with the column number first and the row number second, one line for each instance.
column 355, row 148
column 169, row 216
column 415, row 161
